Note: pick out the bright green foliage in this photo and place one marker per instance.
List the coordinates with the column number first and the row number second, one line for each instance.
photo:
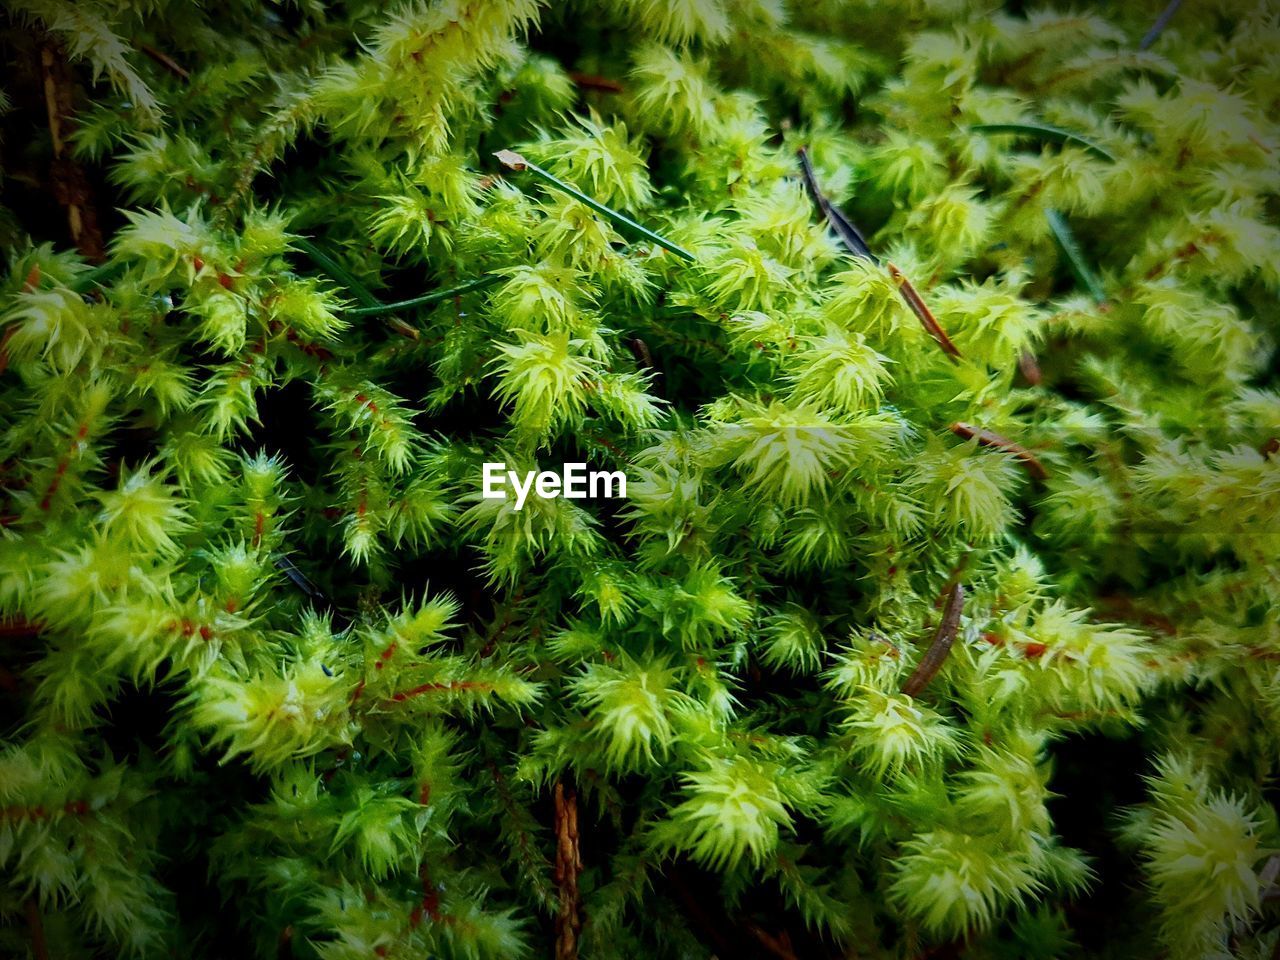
column 280, row 682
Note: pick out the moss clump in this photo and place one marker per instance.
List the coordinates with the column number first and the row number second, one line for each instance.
column 935, row 342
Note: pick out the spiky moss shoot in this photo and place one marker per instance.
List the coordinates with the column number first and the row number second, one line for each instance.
column 952, row 882
column 891, row 732
column 733, row 811
column 1200, row 849
column 629, row 705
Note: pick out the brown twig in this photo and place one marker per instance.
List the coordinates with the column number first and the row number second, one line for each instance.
column 39, row 945
column 404, row 329
column 780, row 947
column 1029, row 368
column 20, row 628
column 987, row 438
column 70, row 185
column 714, row 932
column 166, row 61
column 591, row 81
column 568, row 868
column 922, row 312
column 943, row 638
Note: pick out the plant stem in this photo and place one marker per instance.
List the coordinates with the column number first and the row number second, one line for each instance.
column 568, row 868
column 987, row 438
column 39, row 944
column 943, row 639
column 922, row 312
column 166, row 61
column 70, row 185
column 338, row 271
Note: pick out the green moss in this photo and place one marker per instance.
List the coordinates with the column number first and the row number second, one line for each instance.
column 281, row 681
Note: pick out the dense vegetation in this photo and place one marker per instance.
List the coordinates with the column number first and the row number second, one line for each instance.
column 935, row 337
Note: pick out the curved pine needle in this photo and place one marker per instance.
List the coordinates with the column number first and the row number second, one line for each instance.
column 1045, row 131
column 943, row 639
column 841, row 225
column 514, row 161
column 427, row 299
column 337, row 271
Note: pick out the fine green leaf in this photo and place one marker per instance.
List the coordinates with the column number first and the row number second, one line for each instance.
column 1045, row 131
column 1070, row 247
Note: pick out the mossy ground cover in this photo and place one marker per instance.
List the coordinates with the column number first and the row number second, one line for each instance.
column 935, row 342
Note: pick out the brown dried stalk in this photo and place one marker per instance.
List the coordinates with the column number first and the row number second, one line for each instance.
column 70, row 185
column 987, row 438
column 1029, row 368
column 779, row 946
column 640, row 350
column 39, row 944
column 404, row 329
column 945, row 636
column 856, row 244
column 568, row 868
column 922, row 312
column 589, row 81
column 166, row 61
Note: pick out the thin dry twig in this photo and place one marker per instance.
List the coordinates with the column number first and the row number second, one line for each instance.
column 856, row 244
column 987, row 438
column 166, row 61
column 590, row 81
column 922, row 312
column 39, row 944
column 568, row 869
column 780, row 946
column 70, row 185
column 943, row 638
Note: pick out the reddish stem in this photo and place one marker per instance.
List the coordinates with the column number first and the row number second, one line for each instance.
column 987, row 438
